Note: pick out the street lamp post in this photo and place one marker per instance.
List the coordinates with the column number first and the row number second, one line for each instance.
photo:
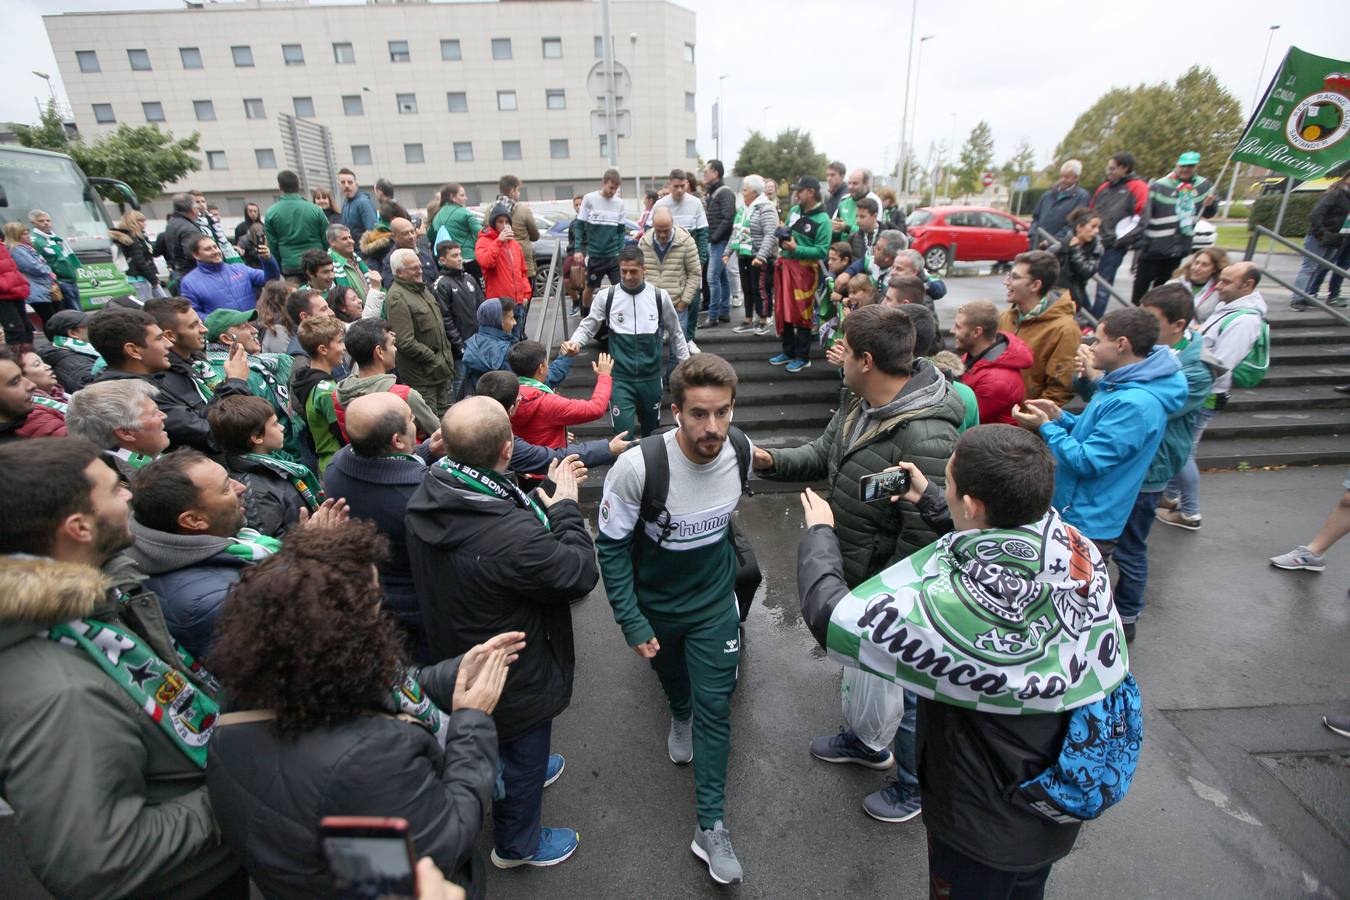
column 1256, row 98
column 637, row 162
column 721, row 110
column 904, row 116
column 914, row 121
column 765, row 124
column 51, row 90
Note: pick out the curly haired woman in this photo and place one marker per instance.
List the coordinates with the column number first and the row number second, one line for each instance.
column 333, row 723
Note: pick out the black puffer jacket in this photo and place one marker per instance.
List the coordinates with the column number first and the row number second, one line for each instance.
column 458, row 294
column 271, row 504
column 269, row 794
column 138, row 253
column 484, row 565
column 183, row 408
column 175, row 244
column 1328, row 216
column 73, row 370
column 721, row 210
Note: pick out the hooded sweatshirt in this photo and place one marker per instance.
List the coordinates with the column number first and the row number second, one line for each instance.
column 1232, row 340
column 542, row 417
column 996, row 378
column 486, row 350
column 1103, row 453
column 357, row 385
column 1053, row 337
column 503, row 262
column 191, row 574
column 312, row 393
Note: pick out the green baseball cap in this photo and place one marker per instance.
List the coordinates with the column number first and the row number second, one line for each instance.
column 221, row 320
column 1189, row 158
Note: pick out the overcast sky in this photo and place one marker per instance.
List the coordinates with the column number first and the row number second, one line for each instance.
column 1028, row 68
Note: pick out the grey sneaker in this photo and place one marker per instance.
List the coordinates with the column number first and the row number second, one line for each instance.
column 1299, row 558
column 713, row 846
column 1166, row 502
column 680, row 741
column 894, row 803
column 1338, row 724
column 1178, row 519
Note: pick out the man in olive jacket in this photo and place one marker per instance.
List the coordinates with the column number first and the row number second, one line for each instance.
column 900, row 409
column 294, row 225
column 108, row 800
column 426, row 359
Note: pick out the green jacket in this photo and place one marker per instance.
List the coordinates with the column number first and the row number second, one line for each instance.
column 425, row 356
column 813, row 236
column 461, row 226
column 920, row 427
column 967, row 396
column 63, row 262
column 294, row 225
column 106, row 805
column 350, row 274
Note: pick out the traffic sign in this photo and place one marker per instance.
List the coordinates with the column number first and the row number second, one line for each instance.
column 623, row 123
column 1023, row 183
column 987, row 178
column 595, row 82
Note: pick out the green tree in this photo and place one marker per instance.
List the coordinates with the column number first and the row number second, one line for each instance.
column 788, row 156
column 977, row 157
column 1156, row 123
column 144, row 157
column 1023, row 162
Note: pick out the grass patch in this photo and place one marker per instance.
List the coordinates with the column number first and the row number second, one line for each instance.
column 1233, row 236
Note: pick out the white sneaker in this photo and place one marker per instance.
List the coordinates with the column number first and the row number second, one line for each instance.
column 693, row 348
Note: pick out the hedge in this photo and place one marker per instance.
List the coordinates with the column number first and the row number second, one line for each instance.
column 1266, row 207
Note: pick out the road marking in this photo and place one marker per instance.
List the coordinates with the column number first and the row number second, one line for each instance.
column 1220, row 799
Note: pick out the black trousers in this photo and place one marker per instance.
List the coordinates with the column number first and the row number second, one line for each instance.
column 1152, row 272
column 954, row 876
column 797, row 341
column 756, row 304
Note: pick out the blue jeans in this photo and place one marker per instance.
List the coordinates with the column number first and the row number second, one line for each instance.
column 1186, row 484
column 1107, row 268
column 684, row 315
column 1341, row 257
column 515, row 817
column 906, row 745
column 1132, row 556
column 719, row 283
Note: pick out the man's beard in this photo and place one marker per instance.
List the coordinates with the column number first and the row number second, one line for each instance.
column 227, row 523
column 110, row 537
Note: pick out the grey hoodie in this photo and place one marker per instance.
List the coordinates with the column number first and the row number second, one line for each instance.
column 357, row 385
column 1231, row 342
column 926, row 387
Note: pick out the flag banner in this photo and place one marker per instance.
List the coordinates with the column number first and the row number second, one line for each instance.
column 1302, row 125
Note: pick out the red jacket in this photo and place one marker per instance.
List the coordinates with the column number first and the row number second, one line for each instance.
column 503, row 265
column 13, row 286
column 996, row 378
column 541, row 418
column 43, row 421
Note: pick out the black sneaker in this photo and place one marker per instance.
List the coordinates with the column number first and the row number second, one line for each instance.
column 845, row 747
column 1129, row 631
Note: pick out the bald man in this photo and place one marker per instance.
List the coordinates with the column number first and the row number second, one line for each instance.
column 671, row 257
column 487, row 558
column 404, row 235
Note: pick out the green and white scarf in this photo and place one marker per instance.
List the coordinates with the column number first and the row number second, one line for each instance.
column 250, row 544
column 299, row 475
column 414, row 702
column 204, row 377
column 75, row 345
column 131, row 457
column 493, row 485
column 1013, row 621
column 181, row 710
column 43, row 400
column 1039, row 308
column 536, row 383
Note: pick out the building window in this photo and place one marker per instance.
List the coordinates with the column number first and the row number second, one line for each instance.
column 361, row 155
column 599, row 50
column 205, row 110
column 412, row 153
column 501, row 48
column 691, row 149
column 352, row 105
column 552, row 48
column 407, row 104
column 293, row 54
column 140, row 60
column 463, row 151
column 458, row 101
column 215, row 159
column 88, row 60
column 604, row 146
column 506, row 101
column 266, row 158
column 557, row 149
column 344, row 54
column 191, row 57
column 398, row 52
column 562, row 192
column 243, row 56
column 304, row 107
column 688, row 101
column 450, row 50
column 555, row 98
column 510, row 149
column 254, row 109
column 154, row 111
column 103, row 114
column 689, row 53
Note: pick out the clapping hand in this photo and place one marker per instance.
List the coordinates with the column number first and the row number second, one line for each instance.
column 330, row 514
column 816, row 510
column 566, row 475
column 486, row 687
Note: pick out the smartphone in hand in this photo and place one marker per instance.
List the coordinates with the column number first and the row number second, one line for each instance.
column 883, row 486
column 369, row 857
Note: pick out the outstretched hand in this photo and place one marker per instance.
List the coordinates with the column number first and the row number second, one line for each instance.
column 330, row 514
column 816, row 510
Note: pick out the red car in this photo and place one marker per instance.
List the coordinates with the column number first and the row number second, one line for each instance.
column 978, row 232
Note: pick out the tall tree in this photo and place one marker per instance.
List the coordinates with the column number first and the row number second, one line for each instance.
column 977, row 157
column 785, row 158
column 1156, row 123
column 144, row 157
column 1022, row 162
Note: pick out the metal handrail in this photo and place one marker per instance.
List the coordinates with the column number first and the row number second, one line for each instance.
column 1096, row 278
column 1262, row 231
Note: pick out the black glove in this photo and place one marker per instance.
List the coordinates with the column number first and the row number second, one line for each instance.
column 1220, row 401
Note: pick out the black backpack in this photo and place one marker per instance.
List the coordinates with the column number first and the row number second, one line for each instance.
column 655, row 487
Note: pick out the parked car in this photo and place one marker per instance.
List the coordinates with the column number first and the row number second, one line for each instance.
column 555, row 232
column 979, row 233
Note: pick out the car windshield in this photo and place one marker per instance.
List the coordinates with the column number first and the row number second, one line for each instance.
column 52, row 184
column 919, row 217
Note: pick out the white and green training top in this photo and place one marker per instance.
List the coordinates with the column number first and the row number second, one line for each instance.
column 690, row 573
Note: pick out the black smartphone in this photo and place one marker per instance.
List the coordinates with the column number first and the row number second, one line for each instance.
column 369, row 857
column 883, row 485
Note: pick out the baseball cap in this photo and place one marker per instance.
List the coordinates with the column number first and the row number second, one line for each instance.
column 63, row 322
column 221, row 320
column 807, row 181
column 1189, row 158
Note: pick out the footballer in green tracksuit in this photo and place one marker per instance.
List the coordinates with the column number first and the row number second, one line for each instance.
column 672, row 584
column 640, row 317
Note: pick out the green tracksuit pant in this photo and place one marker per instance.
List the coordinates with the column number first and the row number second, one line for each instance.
column 636, row 400
column 697, row 667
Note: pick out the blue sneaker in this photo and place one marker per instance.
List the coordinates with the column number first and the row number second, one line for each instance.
column 893, row 803
column 556, row 764
column 555, row 845
column 781, row 359
column 798, row 364
column 845, row 747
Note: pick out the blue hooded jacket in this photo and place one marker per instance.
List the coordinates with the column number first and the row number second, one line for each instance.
column 1102, row 454
column 486, row 350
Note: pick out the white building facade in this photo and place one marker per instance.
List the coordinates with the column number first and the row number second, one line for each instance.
column 419, row 93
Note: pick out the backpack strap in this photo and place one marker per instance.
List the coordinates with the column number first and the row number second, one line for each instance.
column 609, row 307
column 741, row 444
column 655, row 483
column 340, row 411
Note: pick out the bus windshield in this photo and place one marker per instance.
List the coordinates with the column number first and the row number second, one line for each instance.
column 55, row 185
